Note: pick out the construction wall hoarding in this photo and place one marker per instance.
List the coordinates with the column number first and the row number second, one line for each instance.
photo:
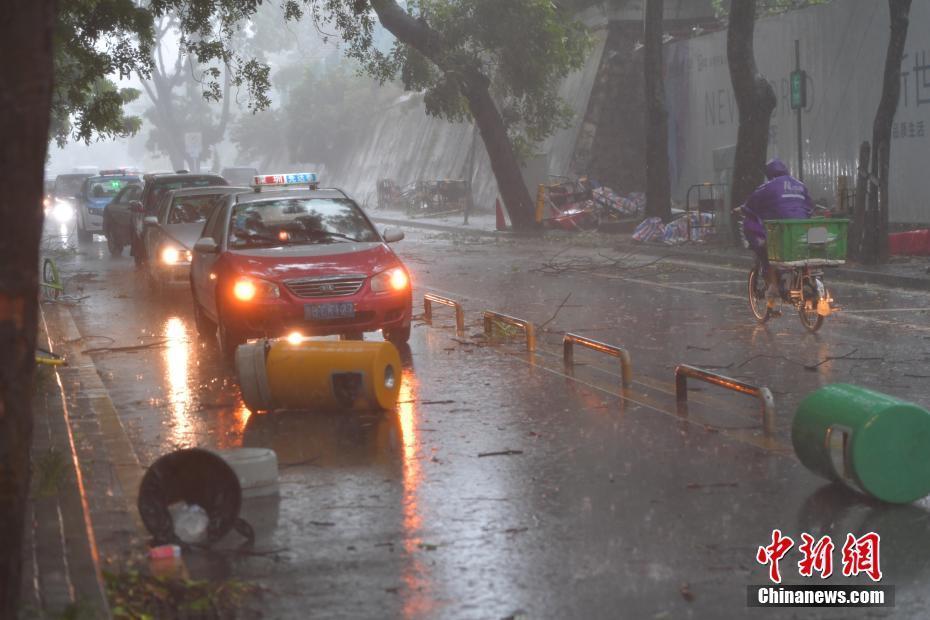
column 843, row 46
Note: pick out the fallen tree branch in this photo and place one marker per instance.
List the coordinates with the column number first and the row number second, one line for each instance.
column 557, row 310
column 137, row 347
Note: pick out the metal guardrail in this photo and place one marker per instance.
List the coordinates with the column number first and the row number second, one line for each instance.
column 430, row 298
column 684, row 371
column 568, row 354
column 528, row 328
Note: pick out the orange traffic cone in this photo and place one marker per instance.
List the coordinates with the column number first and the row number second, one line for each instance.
column 501, row 222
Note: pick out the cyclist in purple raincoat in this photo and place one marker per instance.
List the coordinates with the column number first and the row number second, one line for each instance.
column 781, row 197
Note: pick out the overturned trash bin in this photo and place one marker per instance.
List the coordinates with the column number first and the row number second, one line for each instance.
column 195, row 477
column 318, row 374
column 886, row 441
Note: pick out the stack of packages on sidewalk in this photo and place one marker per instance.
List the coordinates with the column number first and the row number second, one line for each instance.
column 613, row 203
column 676, row 231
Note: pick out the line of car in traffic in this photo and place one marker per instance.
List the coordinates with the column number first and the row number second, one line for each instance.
column 281, row 256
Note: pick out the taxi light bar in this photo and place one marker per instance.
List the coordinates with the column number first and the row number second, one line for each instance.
column 279, row 180
column 118, row 172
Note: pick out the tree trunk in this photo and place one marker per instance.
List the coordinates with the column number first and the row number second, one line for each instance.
column 474, row 87
column 876, row 239
column 26, row 28
column 658, row 191
column 755, row 101
column 857, row 226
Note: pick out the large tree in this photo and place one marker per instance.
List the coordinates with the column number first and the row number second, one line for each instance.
column 755, row 101
column 658, row 187
column 875, row 234
column 179, row 103
column 26, row 31
column 497, row 63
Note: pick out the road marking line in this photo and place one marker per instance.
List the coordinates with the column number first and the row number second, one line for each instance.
column 864, row 310
column 747, row 436
column 850, row 313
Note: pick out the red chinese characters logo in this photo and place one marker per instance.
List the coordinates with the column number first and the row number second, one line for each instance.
column 817, row 556
column 859, row 555
column 773, row 553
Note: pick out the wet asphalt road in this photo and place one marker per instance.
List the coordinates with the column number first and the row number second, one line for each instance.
column 609, row 506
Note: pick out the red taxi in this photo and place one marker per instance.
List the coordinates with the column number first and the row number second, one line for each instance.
column 291, row 257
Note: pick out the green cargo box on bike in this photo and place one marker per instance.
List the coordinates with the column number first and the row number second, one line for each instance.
column 813, row 242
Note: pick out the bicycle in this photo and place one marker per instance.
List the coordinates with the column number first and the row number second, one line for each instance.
column 805, row 290
column 798, row 252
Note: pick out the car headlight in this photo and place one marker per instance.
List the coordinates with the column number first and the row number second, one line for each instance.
column 173, row 256
column 251, row 289
column 63, row 210
column 395, row 279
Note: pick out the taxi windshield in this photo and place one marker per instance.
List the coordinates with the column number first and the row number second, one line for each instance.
column 104, row 187
column 298, row 221
column 191, row 209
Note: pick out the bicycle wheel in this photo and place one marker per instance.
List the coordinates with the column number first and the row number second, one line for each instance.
column 807, row 311
column 51, row 280
column 757, row 302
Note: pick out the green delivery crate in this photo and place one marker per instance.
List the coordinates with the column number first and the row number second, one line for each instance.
column 817, row 241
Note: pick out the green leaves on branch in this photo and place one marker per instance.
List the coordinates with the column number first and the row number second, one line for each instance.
column 97, row 40
column 523, row 47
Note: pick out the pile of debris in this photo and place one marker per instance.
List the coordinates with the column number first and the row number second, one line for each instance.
column 585, row 204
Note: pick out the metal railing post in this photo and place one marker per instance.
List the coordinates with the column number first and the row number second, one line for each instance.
column 528, row 328
column 568, row 354
column 430, row 298
column 684, row 371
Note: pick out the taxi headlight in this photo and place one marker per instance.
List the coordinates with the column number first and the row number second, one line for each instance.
column 250, row 289
column 395, row 279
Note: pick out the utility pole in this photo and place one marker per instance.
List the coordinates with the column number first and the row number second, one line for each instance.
column 799, row 102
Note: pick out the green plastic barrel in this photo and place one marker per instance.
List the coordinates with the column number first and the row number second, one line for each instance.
column 888, row 451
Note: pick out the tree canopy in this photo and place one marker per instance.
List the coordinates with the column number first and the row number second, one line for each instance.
column 97, row 40
column 524, row 47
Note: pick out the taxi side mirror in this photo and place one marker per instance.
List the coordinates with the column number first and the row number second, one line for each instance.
column 206, row 245
column 393, row 235
column 150, row 220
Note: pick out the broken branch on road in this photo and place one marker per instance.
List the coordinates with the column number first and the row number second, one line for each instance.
column 138, row 347
column 500, row 453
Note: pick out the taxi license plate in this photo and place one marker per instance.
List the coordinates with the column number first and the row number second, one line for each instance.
column 325, row 312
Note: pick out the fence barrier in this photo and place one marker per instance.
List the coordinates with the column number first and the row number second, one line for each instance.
column 684, row 371
column 568, row 354
column 526, row 326
column 430, row 298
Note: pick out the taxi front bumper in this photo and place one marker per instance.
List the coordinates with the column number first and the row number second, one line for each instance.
column 371, row 312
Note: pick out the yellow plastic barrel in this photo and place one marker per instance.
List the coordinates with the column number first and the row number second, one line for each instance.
column 318, row 375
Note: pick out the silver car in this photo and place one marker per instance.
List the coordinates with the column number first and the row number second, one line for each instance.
column 170, row 235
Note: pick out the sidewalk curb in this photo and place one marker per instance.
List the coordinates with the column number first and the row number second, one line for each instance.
column 439, row 227
column 841, row 274
column 80, row 566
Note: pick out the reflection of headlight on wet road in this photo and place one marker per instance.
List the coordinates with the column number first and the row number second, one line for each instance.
column 62, row 211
